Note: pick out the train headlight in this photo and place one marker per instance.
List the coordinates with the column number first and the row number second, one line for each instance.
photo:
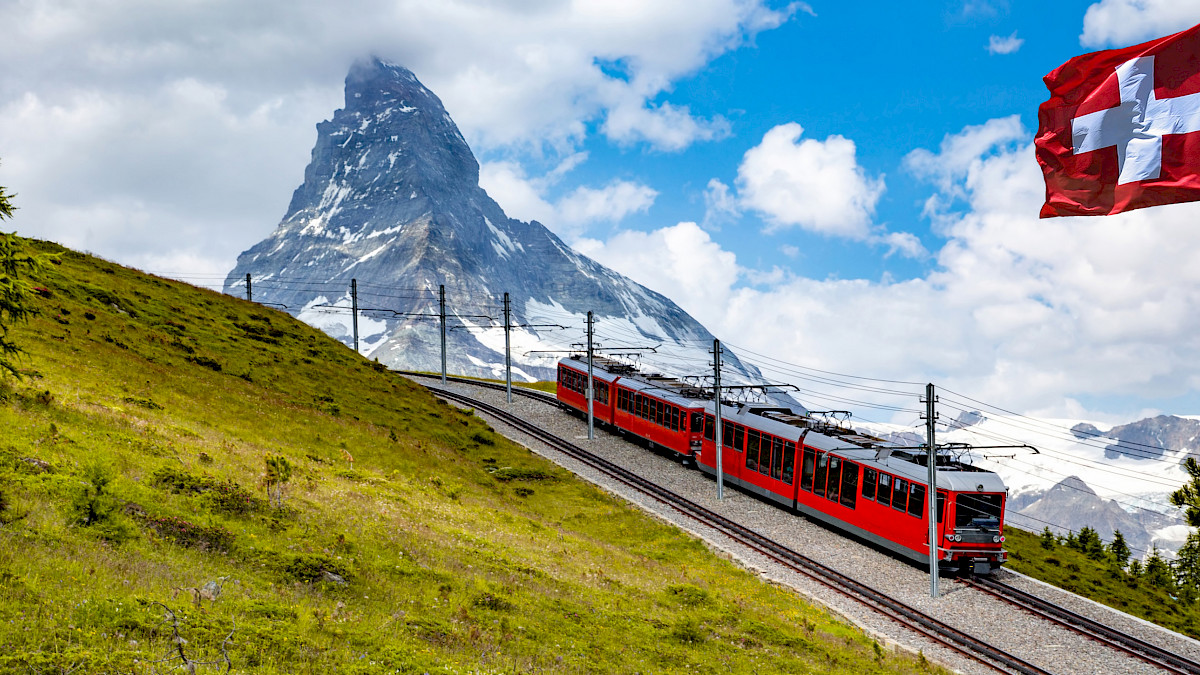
column 950, row 536
column 958, row 537
column 1001, row 539
column 996, row 538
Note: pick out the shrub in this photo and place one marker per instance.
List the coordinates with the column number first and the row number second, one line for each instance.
column 191, row 535
column 509, row 473
column 95, row 507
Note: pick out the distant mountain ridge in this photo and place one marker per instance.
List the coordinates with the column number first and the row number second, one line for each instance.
column 391, row 198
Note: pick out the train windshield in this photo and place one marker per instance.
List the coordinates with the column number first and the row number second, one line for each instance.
column 977, row 510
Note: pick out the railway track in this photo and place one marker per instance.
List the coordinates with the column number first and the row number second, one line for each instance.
column 933, row 629
column 1136, row 647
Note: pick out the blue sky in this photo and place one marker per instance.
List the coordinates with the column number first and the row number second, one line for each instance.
column 843, row 186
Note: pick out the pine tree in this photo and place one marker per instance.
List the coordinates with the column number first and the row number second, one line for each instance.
column 1090, row 544
column 1135, row 568
column 1187, row 565
column 1119, row 550
column 1188, row 496
column 1158, row 572
column 1072, row 541
column 1048, row 541
column 15, row 292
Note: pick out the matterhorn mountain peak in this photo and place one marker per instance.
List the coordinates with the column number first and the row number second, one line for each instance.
column 391, row 204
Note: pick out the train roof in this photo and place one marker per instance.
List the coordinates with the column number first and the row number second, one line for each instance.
column 791, row 425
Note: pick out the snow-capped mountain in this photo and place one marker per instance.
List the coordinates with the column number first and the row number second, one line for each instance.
column 1082, row 473
column 391, row 199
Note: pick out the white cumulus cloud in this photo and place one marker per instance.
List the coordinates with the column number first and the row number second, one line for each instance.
column 816, row 185
column 1004, row 45
column 1119, row 23
column 568, row 216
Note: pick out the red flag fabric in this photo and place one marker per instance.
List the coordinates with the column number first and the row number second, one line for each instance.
column 1121, row 130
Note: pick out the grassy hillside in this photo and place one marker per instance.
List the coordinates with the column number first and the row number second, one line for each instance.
column 188, row 476
column 1102, row 581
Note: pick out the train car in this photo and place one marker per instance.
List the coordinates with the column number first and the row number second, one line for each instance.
column 661, row 411
column 572, row 388
column 860, row 485
column 852, row 482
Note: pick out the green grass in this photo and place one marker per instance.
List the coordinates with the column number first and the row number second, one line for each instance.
column 410, row 537
column 1073, row 571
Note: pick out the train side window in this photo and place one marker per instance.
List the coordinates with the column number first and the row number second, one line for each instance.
column 789, row 462
column 752, row 439
column 899, row 493
column 602, row 393
column 916, row 500
column 764, row 455
column 807, row 465
column 697, row 423
column 710, row 427
column 941, row 506
column 819, row 475
column 776, row 457
column 849, row 484
column 884, row 494
column 739, row 443
column 727, row 434
column 833, row 490
column 675, row 418
column 869, row 478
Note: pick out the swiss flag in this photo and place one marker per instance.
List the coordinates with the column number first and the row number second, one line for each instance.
column 1121, row 130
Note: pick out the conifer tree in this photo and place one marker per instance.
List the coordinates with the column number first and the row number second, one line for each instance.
column 1072, row 541
column 1188, row 496
column 1119, row 550
column 1048, row 541
column 15, row 292
column 1090, row 544
column 1187, row 566
column 1158, row 572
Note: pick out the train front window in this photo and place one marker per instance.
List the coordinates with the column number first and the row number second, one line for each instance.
column 977, row 510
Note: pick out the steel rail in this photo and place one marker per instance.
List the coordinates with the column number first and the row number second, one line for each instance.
column 1134, row 646
column 924, row 624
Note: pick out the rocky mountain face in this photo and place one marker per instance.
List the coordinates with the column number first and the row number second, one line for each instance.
column 391, row 201
column 1151, row 438
column 1071, row 505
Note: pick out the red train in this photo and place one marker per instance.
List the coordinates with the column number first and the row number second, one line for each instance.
column 853, row 482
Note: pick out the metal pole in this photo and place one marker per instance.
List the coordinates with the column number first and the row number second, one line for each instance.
column 354, row 309
column 717, row 416
column 590, row 387
column 507, row 351
column 442, row 314
column 249, row 295
column 930, row 423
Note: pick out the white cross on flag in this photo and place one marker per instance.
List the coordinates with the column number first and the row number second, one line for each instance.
column 1121, row 130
